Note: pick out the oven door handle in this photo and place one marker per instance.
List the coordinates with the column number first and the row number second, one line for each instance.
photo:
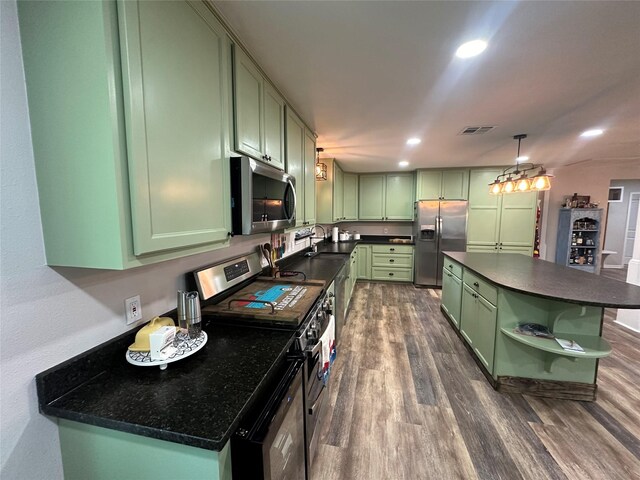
column 319, row 399
column 316, row 348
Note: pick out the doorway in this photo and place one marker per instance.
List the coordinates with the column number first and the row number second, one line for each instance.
column 621, row 219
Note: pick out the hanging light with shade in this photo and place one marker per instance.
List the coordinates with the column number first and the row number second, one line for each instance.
column 515, row 179
column 321, row 168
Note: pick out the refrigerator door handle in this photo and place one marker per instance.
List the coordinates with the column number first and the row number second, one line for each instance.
column 439, row 220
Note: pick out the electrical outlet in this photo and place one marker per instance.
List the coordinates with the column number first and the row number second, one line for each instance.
column 133, row 309
column 385, row 230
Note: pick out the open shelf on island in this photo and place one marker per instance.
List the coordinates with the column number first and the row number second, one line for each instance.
column 594, row 347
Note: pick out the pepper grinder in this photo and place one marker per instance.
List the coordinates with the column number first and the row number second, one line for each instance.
column 182, row 310
column 194, row 316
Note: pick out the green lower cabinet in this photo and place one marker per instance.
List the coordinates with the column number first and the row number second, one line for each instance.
column 452, row 296
column 104, row 454
column 488, row 327
column 392, row 274
column 364, row 262
column 485, row 334
column 354, row 270
column 478, row 325
column 522, row 356
column 468, row 321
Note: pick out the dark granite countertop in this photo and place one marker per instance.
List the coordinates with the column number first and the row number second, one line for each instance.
column 197, row 401
column 548, row 280
column 320, row 267
column 346, row 248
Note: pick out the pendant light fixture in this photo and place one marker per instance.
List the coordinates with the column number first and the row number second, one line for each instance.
column 515, row 179
column 321, row 168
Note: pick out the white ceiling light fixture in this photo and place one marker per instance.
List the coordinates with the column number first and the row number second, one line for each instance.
column 522, row 158
column 403, row 163
column 592, row 133
column 471, row 49
column 413, row 141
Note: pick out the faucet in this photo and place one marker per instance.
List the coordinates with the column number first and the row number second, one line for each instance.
column 324, row 232
column 312, row 245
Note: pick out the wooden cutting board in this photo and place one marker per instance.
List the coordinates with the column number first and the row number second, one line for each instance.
column 291, row 301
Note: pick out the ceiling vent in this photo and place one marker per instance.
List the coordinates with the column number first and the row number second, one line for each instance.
column 477, row 130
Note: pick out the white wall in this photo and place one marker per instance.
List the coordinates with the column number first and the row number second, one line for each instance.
column 586, row 178
column 51, row 314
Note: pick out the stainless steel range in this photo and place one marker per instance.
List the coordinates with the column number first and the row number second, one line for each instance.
column 234, row 292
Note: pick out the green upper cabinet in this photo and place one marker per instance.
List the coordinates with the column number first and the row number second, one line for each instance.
column 138, row 139
column 248, row 103
column 350, row 196
column 386, row 196
column 300, row 150
column 309, row 177
column 399, row 196
column 295, row 161
column 338, row 193
column 499, row 221
column 273, row 126
column 330, row 194
column 259, row 113
column 442, row 184
column 372, row 197
column 483, row 221
column 518, row 220
column 175, row 122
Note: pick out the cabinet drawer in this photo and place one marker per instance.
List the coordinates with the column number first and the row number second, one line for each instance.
column 484, row 288
column 453, row 267
column 392, row 249
column 393, row 274
column 392, row 260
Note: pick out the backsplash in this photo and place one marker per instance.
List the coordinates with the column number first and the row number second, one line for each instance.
column 403, row 229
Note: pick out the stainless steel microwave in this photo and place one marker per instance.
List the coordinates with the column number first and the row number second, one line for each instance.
column 263, row 198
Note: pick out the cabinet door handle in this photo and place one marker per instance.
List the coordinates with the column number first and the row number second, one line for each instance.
column 476, row 284
column 391, row 274
column 392, row 249
column 391, row 260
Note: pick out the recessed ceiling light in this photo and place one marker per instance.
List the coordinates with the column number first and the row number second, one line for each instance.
column 522, row 158
column 592, row 133
column 403, row 163
column 413, row 141
column 471, row 49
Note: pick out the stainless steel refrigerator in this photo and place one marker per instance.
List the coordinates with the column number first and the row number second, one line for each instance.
column 439, row 225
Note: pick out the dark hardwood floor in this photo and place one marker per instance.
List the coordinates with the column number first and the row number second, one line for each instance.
column 408, row 402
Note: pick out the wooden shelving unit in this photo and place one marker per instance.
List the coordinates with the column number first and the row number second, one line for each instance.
column 578, row 240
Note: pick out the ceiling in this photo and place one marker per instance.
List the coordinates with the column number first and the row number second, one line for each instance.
column 368, row 75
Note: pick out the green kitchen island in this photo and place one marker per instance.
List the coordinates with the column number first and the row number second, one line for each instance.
column 486, row 295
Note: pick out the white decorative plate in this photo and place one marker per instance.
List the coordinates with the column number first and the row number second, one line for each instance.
column 184, row 347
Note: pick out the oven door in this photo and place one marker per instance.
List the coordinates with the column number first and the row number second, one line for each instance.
column 316, row 396
column 273, row 446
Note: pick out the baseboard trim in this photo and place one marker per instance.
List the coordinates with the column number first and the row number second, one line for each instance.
column 626, row 326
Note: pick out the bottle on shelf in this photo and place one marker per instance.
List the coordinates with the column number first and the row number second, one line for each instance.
column 579, row 240
column 574, row 201
column 573, row 239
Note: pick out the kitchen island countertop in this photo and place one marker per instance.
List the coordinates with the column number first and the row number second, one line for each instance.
column 544, row 279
